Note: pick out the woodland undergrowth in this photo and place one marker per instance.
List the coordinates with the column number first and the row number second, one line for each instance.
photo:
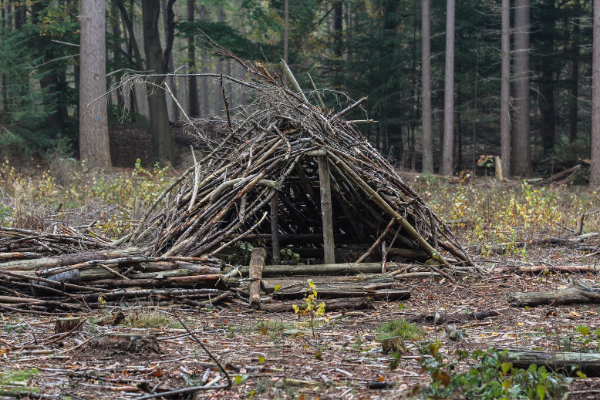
column 484, row 215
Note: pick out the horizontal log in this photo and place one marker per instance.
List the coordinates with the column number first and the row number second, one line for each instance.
column 330, row 305
column 385, row 294
column 166, row 282
column 68, row 259
column 324, row 269
column 24, row 255
column 295, row 238
column 569, row 295
column 549, row 268
column 566, row 362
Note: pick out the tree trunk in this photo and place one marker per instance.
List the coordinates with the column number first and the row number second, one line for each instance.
column 448, row 149
column 426, row 88
column 169, row 61
column 595, row 169
column 521, row 138
column 162, row 137
column 49, row 83
column 194, row 105
column 204, row 80
column 337, row 30
column 117, row 50
column 505, row 91
column 547, row 112
column 574, row 99
column 286, row 37
column 93, row 118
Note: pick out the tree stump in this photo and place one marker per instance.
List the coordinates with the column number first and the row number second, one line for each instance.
column 66, row 324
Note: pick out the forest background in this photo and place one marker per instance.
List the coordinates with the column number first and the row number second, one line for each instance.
column 438, row 100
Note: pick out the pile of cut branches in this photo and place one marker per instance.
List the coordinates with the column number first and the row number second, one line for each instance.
column 286, row 171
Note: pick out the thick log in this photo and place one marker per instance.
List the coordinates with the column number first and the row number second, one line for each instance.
column 564, row 173
column 326, row 210
column 386, row 294
column 325, row 269
column 130, row 343
column 68, row 259
column 257, row 263
column 566, row 362
column 569, row 295
column 360, row 303
column 176, row 281
column 536, row 269
column 63, row 325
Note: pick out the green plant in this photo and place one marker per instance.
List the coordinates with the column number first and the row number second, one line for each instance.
column 5, row 213
column 490, row 378
column 400, row 328
column 310, row 306
column 242, row 253
column 147, row 318
column 288, row 254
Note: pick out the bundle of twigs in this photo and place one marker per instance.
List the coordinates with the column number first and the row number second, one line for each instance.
column 268, row 161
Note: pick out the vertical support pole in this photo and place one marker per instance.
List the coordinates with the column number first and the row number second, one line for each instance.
column 326, row 210
column 275, row 231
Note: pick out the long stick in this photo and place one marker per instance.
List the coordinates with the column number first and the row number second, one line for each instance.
column 295, row 84
column 374, row 245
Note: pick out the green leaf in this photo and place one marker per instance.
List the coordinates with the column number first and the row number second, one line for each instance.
column 261, row 359
column 541, row 391
column 506, row 366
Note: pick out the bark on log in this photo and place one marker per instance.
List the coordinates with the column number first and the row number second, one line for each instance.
column 325, row 269
column 330, row 305
column 257, row 263
column 569, row 295
column 68, row 259
column 566, row 362
column 130, row 343
column 176, row 281
column 541, row 268
column 386, row 294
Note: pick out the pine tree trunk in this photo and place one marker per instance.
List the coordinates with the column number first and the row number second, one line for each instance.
column 448, row 150
column 171, row 80
column 162, row 137
column 205, row 104
column 595, row 169
column 194, row 106
column 574, row 100
column 426, row 88
column 505, row 91
column 522, row 136
column 93, row 120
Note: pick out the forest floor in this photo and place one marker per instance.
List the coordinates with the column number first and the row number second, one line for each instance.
column 287, row 356
column 279, row 356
